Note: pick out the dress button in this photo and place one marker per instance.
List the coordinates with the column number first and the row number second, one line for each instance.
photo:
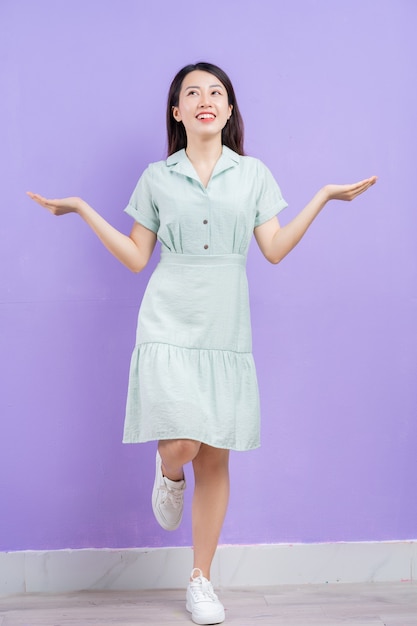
column 205, row 247
column 205, row 221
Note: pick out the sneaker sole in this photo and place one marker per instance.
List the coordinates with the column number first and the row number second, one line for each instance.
column 202, row 621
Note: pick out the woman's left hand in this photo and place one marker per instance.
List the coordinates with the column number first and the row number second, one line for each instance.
column 349, row 192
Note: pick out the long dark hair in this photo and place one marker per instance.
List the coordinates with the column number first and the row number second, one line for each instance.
column 232, row 133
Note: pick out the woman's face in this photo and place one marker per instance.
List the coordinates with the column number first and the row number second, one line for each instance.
column 203, row 105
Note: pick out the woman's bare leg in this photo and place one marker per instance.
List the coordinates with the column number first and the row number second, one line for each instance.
column 175, row 453
column 211, row 497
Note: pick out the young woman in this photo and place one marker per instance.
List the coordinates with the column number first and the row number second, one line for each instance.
column 192, row 383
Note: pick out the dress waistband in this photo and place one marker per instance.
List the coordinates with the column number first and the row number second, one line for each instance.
column 174, row 258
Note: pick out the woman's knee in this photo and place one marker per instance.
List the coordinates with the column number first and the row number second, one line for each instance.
column 178, row 451
column 210, row 459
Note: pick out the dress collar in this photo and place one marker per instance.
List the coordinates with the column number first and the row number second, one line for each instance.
column 179, row 162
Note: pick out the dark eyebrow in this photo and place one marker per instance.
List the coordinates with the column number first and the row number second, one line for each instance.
column 198, row 87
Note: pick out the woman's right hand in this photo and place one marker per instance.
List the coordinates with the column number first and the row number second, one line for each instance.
column 134, row 251
column 59, row 206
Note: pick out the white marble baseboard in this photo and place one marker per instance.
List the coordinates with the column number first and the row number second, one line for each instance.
column 63, row 571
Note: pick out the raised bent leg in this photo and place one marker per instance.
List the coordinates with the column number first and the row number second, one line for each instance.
column 211, row 497
column 175, row 453
column 169, row 484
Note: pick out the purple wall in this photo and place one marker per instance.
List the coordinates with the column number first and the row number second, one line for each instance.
column 328, row 94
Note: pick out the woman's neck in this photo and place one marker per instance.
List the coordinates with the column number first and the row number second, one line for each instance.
column 205, row 153
column 204, row 156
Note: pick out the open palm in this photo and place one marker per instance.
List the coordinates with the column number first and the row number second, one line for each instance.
column 58, row 206
column 349, row 192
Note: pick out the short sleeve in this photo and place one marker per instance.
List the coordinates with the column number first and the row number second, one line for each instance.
column 269, row 201
column 141, row 205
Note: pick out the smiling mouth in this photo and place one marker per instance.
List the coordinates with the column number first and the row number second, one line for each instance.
column 206, row 116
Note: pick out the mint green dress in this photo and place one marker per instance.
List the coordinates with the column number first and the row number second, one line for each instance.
column 192, row 373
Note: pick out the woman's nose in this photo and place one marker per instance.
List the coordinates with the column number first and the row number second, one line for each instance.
column 204, row 101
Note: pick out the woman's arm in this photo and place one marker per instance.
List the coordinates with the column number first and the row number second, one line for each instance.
column 132, row 250
column 276, row 242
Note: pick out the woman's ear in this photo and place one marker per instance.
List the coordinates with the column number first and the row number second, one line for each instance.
column 230, row 111
column 176, row 114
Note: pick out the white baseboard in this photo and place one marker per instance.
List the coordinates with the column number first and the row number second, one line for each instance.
column 62, row 571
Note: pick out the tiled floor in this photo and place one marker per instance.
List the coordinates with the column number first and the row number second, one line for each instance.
column 371, row 604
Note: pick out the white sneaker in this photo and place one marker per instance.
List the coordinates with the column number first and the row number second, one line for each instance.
column 167, row 498
column 202, row 602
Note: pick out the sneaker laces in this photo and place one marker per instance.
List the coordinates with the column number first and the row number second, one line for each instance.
column 173, row 496
column 203, row 590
